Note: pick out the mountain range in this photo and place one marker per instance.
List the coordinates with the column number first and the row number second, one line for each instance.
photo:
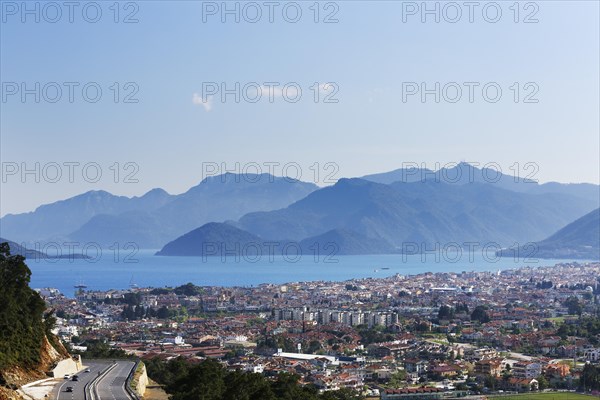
column 578, row 240
column 421, row 213
column 359, row 216
column 153, row 219
column 56, row 221
column 463, row 173
column 376, row 214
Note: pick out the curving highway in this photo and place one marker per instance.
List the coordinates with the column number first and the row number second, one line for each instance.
column 112, row 385
column 105, row 381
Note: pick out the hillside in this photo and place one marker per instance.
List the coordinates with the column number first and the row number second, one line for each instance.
column 344, row 242
column 217, row 239
column 580, row 239
column 212, row 239
column 27, row 348
column 17, row 249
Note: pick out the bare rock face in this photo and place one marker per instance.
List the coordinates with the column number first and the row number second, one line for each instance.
column 9, row 394
column 15, row 377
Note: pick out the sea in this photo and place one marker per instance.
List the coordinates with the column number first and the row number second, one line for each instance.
column 144, row 269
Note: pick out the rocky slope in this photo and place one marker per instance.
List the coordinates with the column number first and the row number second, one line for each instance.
column 28, row 350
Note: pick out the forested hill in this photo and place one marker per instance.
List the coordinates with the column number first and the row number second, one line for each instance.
column 209, row 380
column 27, row 348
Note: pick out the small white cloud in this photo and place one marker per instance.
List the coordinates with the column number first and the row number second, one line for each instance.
column 207, row 103
column 374, row 94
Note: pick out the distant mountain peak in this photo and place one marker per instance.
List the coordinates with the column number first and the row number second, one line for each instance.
column 230, row 177
column 156, row 191
column 354, row 182
column 97, row 192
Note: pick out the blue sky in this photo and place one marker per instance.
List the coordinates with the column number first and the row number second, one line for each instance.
column 370, row 54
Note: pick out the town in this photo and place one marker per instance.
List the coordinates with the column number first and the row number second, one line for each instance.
column 429, row 335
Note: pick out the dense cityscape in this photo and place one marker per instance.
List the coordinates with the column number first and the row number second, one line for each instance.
column 431, row 334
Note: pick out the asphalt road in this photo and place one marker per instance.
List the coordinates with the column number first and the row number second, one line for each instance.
column 112, row 385
column 109, row 387
column 60, row 393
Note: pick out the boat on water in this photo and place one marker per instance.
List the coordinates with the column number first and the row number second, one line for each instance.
column 385, row 268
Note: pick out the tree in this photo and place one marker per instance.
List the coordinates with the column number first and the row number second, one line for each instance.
column 287, row 388
column 491, row 382
column 542, row 382
column 132, row 299
column 22, row 327
column 202, row 381
column 446, row 312
column 313, row 346
column 128, row 313
column 398, row 378
column 480, row 314
column 342, row 394
column 422, row 326
column 189, row 289
column 373, row 335
column 250, row 386
column 101, row 349
column 209, row 380
column 590, row 378
column 574, row 305
column 162, row 313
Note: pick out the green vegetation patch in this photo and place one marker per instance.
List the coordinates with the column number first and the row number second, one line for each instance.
column 545, row 396
column 23, row 324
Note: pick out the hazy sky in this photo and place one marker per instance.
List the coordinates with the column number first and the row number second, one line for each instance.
column 378, row 57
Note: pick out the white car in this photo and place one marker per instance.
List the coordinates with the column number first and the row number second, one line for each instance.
column 67, row 376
